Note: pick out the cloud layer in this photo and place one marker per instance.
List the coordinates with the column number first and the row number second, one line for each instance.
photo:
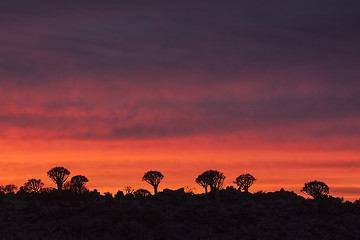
column 258, row 75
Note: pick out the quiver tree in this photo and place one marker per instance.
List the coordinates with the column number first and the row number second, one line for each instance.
column 59, row 176
column 211, row 178
column 33, row 186
column 78, row 182
column 244, row 181
column 153, row 178
column 216, row 180
column 315, row 189
column 203, row 181
column 10, row 188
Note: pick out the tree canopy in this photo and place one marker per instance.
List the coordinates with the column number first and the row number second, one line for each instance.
column 245, row 181
column 315, row 189
column 10, row 188
column 78, row 182
column 153, row 178
column 33, row 186
column 59, row 175
column 211, row 178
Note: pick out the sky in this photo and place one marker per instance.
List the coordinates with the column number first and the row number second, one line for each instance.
column 112, row 90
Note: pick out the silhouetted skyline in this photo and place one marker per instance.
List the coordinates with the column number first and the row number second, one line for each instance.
column 113, row 90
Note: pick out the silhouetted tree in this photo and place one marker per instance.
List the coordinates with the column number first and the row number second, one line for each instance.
column 203, row 181
column 33, row 186
column 211, row 178
column 129, row 189
column 78, row 182
column 141, row 193
column 59, row 176
column 10, row 188
column 316, row 189
column 153, row 178
column 244, row 181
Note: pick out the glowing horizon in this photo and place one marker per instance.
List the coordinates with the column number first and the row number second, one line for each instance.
column 111, row 91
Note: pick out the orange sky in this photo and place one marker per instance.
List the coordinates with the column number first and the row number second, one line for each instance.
column 113, row 164
column 113, row 90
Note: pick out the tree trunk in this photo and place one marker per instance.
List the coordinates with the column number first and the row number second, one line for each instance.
column 155, row 189
column 59, row 186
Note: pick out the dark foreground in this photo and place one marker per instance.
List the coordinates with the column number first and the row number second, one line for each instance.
column 177, row 215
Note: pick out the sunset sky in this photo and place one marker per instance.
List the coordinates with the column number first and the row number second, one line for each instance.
column 112, row 90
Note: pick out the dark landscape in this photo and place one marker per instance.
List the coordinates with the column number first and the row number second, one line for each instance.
column 177, row 215
column 180, row 120
column 74, row 212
